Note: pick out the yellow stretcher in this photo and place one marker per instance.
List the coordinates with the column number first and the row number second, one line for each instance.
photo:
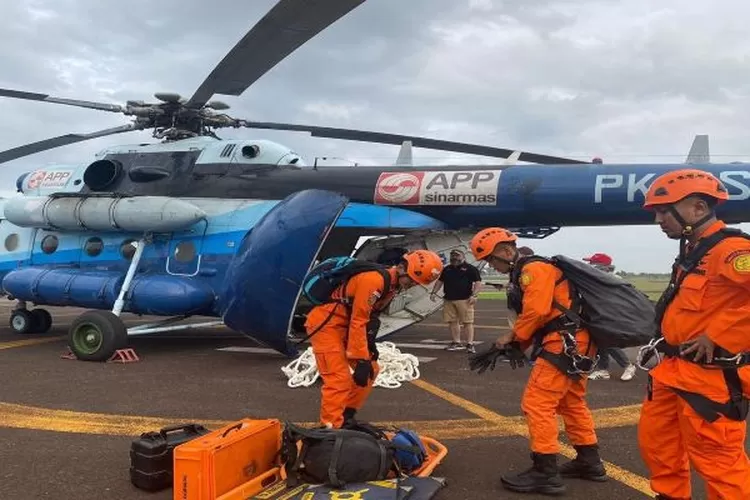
column 221, row 469
column 419, row 485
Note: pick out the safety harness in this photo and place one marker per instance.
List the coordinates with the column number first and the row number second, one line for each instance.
column 737, row 407
column 570, row 361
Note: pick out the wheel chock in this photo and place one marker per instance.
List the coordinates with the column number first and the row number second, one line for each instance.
column 120, row 356
column 124, row 356
column 68, row 355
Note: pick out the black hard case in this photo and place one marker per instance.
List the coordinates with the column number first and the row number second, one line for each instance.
column 151, row 464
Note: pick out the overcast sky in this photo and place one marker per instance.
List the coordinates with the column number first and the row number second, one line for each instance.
column 631, row 81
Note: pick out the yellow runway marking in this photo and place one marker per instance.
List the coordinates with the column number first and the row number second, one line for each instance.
column 37, row 418
column 25, row 342
column 29, row 417
column 617, row 473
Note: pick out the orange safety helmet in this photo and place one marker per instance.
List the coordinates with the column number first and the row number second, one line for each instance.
column 674, row 186
column 423, row 266
column 484, row 242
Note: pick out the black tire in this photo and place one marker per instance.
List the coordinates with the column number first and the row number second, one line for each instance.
column 42, row 320
column 21, row 321
column 96, row 335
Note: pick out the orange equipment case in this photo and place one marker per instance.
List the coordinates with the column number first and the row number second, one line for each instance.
column 239, row 456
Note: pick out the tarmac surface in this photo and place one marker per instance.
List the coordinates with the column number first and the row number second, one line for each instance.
column 66, row 425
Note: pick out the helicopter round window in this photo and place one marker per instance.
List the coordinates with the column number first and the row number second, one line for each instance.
column 49, row 243
column 127, row 249
column 93, row 246
column 185, row 251
column 11, row 242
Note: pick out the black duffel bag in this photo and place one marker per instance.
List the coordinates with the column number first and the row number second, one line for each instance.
column 336, row 457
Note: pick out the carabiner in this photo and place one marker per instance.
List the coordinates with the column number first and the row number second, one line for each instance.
column 646, row 352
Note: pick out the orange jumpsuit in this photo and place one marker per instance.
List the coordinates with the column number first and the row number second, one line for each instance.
column 550, row 392
column 343, row 340
column 712, row 301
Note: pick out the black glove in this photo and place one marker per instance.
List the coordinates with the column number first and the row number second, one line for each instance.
column 515, row 355
column 362, row 372
column 485, row 358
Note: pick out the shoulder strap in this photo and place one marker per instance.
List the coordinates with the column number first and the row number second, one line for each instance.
column 386, row 281
column 689, row 262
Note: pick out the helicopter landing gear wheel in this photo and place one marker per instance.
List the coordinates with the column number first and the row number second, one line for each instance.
column 42, row 320
column 97, row 335
column 21, row 321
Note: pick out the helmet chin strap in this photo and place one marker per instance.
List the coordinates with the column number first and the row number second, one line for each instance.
column 687, row 229
column 511, row 263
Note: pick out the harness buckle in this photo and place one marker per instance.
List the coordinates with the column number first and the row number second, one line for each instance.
column 582, row 365
column 648, row 351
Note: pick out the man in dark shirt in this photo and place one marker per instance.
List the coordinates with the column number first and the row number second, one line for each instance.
column 461, row 281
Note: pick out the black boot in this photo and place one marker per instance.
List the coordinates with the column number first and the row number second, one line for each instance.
column 349, row 420
column 542, row 477
column 586, row 465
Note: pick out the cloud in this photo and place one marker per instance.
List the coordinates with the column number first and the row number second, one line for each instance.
column 619, row 79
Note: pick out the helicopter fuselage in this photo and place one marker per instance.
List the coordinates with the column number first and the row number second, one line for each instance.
column 456, row 196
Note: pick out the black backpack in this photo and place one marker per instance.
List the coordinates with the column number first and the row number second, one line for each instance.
column 336, row 457
column 615, row 312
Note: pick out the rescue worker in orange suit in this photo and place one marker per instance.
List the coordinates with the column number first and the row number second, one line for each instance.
column 550, row 390
column 343, row 340
column 706, row 323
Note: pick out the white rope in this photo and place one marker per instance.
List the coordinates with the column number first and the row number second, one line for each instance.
column 396, row 367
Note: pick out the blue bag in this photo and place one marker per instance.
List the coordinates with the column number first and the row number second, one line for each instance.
column 409, row 460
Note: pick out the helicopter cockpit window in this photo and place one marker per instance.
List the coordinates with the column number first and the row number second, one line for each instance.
column 93, row 246
column 127, row 249
column 184, row 251
column 49, row 243
column 11, row 242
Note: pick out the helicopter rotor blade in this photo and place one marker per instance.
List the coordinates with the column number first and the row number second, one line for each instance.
column 33, row 96
column 418, row 142
column 62, row 140
column 286, row 27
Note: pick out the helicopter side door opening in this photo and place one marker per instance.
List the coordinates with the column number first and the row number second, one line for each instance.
column 415, row 304
column 408, row 307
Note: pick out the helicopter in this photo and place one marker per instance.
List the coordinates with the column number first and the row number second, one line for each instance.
column 198, row 226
